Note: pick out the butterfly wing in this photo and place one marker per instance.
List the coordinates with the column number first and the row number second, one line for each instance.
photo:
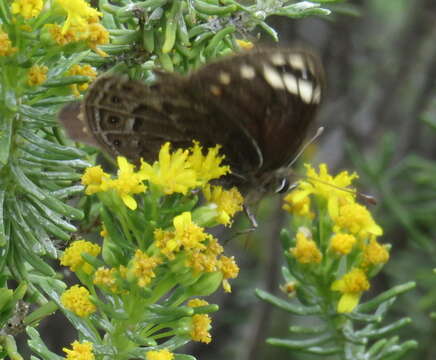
column 132, row 119
column 273, row 94
column 257, row 104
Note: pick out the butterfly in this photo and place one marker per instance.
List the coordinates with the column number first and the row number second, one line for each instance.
column 258, row 105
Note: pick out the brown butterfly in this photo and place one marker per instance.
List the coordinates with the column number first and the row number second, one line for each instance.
column 258, row 105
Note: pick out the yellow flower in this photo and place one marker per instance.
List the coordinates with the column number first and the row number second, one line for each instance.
column 6, row 47
column 374, row 253
column 98, row 35
column 89, row 30
column 76, row 299
column 59, row 37
column 37, row 75
column 85, row 70
column 106, row 277
column 72, row 256
column 186, row 234
column 246, row 45
column 165, row 242
column 342, row 243
column 200, row 326
column 143, row 267
column 80, row 351
column 197, row 302
column 356, row 219
column 298, row 202
column 128, row 182
column 78, row 13
column 171, row 173
column 207, row 167
column 163, row 354
column 351, row 285
column 27, row 8
column 95, row 179
column 205, row 259
column 228, row 202
column 229, row 269
column 333, row 189
column 306, row 251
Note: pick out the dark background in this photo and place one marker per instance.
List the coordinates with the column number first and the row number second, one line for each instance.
column 380, row 120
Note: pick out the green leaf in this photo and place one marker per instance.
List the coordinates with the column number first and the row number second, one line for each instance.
column 5, row 139
column 284, row 305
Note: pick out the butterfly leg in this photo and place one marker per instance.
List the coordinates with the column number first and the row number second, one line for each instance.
column 252, row 218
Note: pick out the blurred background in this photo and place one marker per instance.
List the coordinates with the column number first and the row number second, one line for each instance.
column 379, row 115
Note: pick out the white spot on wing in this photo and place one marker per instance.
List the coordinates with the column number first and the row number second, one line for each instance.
column 224, row 78
column 317, row 95
column 247, row 72
column 306, row 91
column 278, row 59
column 296, row 61
column 311, row 65
column 291, row 83
column 273, row 77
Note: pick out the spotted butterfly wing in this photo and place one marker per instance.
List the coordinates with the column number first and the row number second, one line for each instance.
column 257, row 105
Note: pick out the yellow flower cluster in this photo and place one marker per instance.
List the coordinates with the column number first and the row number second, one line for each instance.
column 201, row 323
column 6, row 47
column 201, row 250
column 107, row 278
column 174, row 172
column 182, row 170
column 95, row 180
column 163, row 354
column 229, row 269
column 127, row 183
column 76, row 299
column 143, row 267
column 352, row 230
column 306, row 251
column 351, row 285
column 228, row 202
column 342, row 244
column 82, row 24
column 298, row 203
column 85, row 70
column 80, row 351
column 27, row 8
column 37, row 75
column 186, row 235
column 72, row 256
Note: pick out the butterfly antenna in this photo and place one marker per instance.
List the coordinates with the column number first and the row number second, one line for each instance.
column 365, row 197
column 311, row 141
